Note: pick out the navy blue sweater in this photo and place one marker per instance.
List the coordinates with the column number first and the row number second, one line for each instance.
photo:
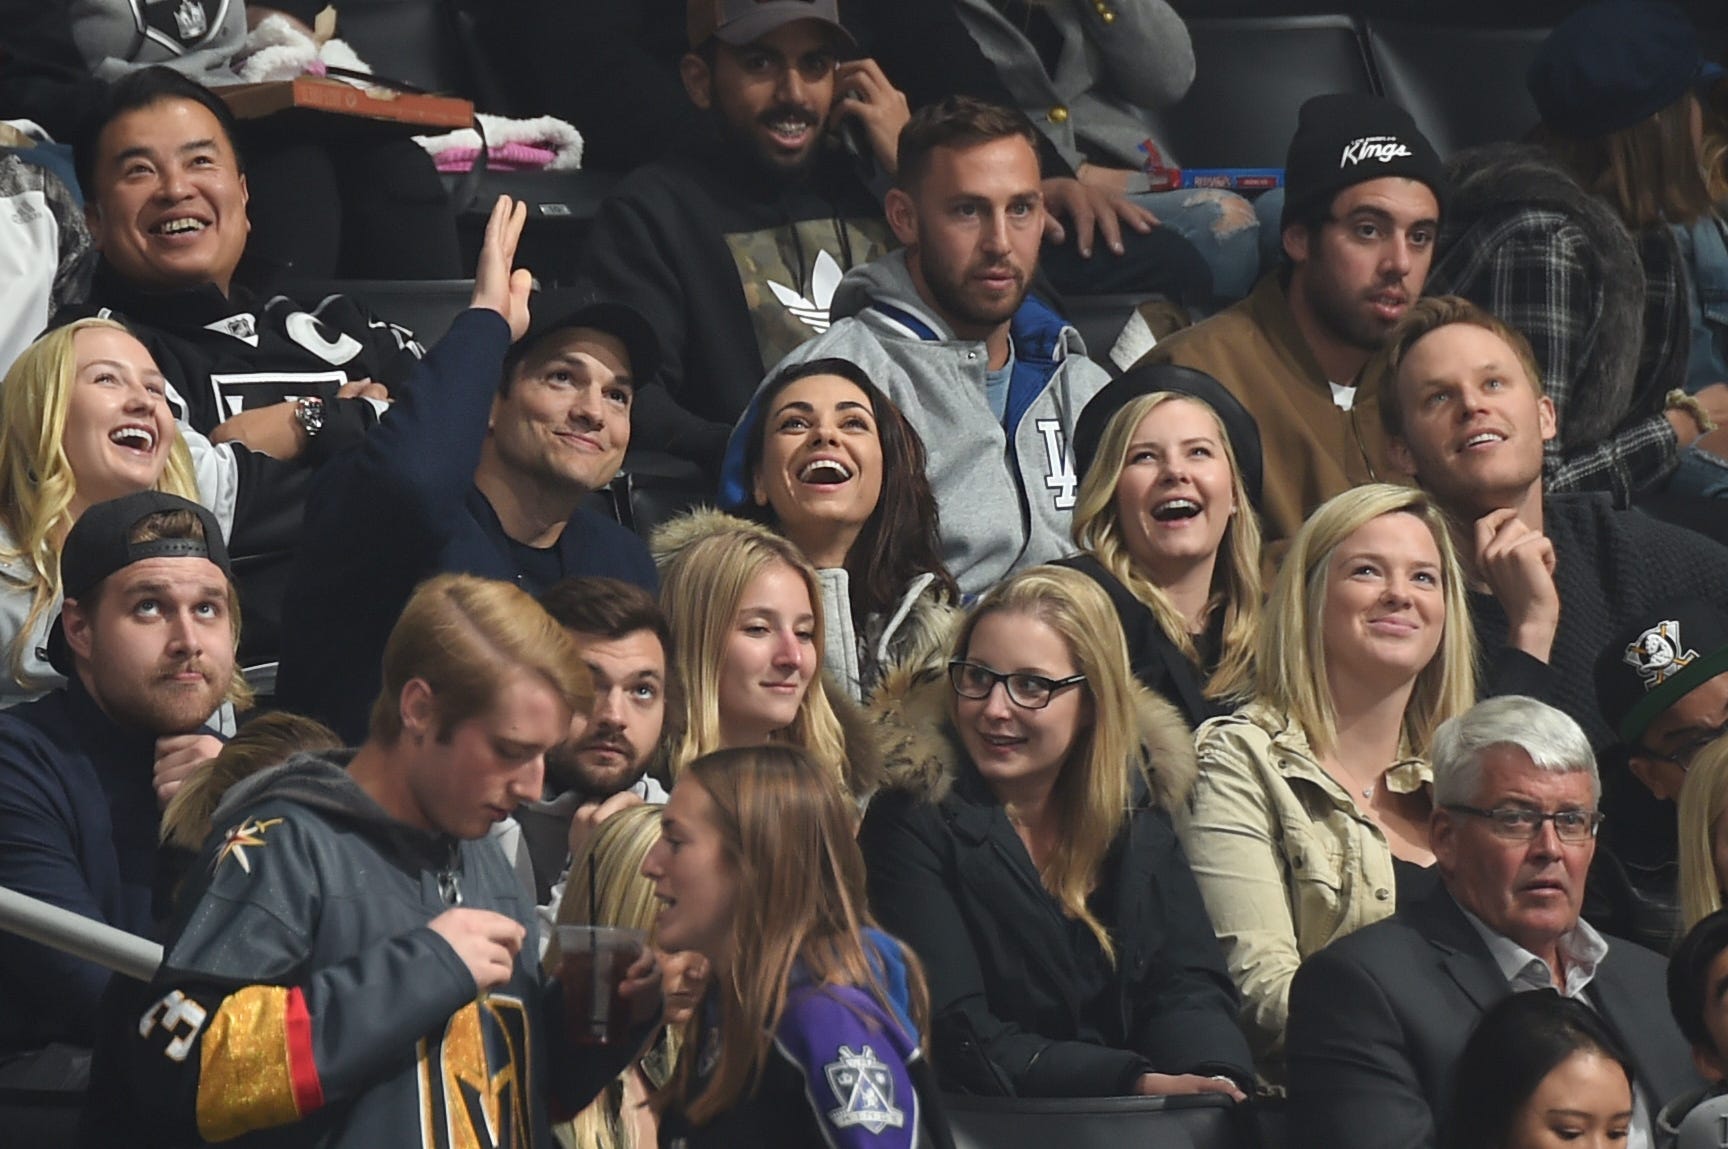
column 402, row 507
column 78, row 824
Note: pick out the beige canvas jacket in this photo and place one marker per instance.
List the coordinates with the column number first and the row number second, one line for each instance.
column 1284, row 859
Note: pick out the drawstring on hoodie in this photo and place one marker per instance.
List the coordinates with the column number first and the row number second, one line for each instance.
column 840, row 235
column 450, row 877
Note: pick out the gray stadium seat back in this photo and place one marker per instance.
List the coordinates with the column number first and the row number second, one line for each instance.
column 426, row 307
column 1464, row 85
column 1251, row 76
column 1196, row 1122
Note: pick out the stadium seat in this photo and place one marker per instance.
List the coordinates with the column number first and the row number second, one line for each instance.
column 1464, row 85
column 561, row 208
column 1251, row 77
column 1197, row 1121
column 419, row 42
column 1099, row 319
column 426, row 307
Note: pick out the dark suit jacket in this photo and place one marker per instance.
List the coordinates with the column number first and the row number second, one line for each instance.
column 1379, row 1018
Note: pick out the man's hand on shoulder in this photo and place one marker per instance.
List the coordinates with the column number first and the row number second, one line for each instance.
column 1518, row 565
column 487, row 942
column 1090, row 210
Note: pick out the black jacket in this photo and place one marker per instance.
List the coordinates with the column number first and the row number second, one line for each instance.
column 1379, row 1018
column 222, row 354
column 734, row 270
column 948, row 874
column 78, row 823
column 402, row 508
column 1151, row 655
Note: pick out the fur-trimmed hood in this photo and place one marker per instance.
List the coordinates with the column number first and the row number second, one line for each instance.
column 1490, row 184
column 922, row 752
column 676, row 535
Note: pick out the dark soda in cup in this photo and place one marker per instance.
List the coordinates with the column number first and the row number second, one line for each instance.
column 592, row 964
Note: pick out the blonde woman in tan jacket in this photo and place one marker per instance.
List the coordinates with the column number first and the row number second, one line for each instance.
column 1312, row 804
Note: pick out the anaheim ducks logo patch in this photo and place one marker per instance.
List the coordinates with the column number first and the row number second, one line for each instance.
column 1658, row 653
column 248, row 835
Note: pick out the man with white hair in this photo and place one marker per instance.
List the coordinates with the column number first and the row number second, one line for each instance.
column 1378, row 1018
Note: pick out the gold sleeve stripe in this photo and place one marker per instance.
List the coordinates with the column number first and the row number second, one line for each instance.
column 255, row 1068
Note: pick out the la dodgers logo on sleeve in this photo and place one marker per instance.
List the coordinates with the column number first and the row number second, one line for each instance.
column 865, row 1089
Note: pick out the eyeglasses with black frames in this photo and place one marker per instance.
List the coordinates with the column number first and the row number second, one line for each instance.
column 1683, row 754
column 1521, row 824
column 1028, row 691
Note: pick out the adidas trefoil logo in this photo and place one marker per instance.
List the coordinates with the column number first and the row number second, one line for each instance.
column 824, row 278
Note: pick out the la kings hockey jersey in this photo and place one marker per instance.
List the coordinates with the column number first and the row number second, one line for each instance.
column 225, row 354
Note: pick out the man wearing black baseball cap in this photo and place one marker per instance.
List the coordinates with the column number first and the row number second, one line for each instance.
column 481, row 470
column 1662, row 685
column 1364, row 189
column 733, row 243
column 146, row 640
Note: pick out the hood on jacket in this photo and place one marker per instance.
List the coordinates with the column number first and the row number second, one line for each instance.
column 882, row 295
column 1508, row 177
column 676, row 535
column 864, row 769
column 923, row 753
column 1039, row 333
column 320, row 781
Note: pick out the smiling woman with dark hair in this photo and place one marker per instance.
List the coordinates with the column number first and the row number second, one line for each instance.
column 830, row 463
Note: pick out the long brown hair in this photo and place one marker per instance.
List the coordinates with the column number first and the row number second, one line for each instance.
column 787, row 829
column 1651, row 172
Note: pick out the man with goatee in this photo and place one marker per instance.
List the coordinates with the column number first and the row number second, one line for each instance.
column 146, row 641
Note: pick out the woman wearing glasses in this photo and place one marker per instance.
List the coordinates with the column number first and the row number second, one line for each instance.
column 1022, row 846
column 1310, row 817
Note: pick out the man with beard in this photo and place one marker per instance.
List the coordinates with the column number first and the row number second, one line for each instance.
column 146, row 641
column 603, row 767
column 991, row 379
column 732, row 246
column 1362, row 210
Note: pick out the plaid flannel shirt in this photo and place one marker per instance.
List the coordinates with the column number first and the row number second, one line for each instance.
column 1535, row 268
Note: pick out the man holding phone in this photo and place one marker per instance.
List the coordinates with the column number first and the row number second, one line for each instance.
column 732, row 247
